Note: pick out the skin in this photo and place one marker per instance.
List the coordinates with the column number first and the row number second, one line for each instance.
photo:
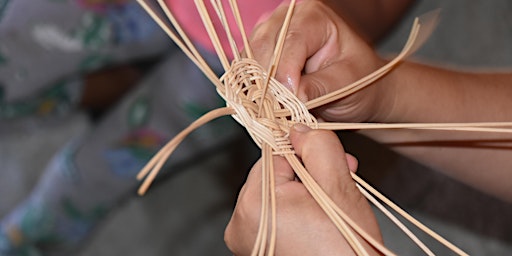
column 300, row 218
column 325, row 54
column 371, row 19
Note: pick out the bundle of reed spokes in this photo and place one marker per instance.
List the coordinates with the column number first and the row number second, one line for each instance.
column 267, row 110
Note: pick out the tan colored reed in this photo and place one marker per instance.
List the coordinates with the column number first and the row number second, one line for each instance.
column 267, row 110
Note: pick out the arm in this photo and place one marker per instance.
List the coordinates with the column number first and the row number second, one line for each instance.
column 429, row 94
column 304, row 229
column 324, row 54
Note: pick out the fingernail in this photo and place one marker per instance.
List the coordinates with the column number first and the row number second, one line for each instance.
column 302, row 128
column 289, row 84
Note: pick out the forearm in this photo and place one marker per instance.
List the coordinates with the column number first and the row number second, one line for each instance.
column 483, row 162
column 429, row 94
column 426, row 94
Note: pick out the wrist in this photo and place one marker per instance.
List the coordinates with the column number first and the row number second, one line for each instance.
column 385, row 99
column 407, row 93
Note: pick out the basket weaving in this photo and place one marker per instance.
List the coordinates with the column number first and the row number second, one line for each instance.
column 267, row 109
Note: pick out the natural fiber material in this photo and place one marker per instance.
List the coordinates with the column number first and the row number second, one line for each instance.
column 267, row 110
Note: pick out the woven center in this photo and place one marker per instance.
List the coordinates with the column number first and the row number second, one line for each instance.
column 243, row 90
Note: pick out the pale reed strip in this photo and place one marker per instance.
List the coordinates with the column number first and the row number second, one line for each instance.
column 367, row 80
column 261, row 238
column 429, row 22
column 309, row 183
column 407, row 50
column 299, row 112
column 363, row 82
column 234, row 47
column 283, row 96
column 257, row 131
column 220, row 11
column 473, row 127
column 268, row 199
column 268, row 108
column 274, row 62
column 236, row 12
column 253, row 127
column 267, row 151
column 319, row 195
column 156, row 163
column 263, row 224
column 265, row 88
column 395, row 220
column 421, row 29
column 219, row 8
column 376, row 244
column 330, row 209
column 185, row 39
column 200, row 64
column 205, row 17
column 324, row 199
column 182, row 35
column 407, row 216
column 247, row 48
column 282, row 36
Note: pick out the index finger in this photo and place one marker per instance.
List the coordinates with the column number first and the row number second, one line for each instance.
column 308, row 32
column 324, row 158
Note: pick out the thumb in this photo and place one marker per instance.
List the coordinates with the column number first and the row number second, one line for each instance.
column 283, row 173
column 352, row 162
column 326, row 80
column 323, row 156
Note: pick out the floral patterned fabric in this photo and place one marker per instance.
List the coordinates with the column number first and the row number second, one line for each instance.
column 46, row 47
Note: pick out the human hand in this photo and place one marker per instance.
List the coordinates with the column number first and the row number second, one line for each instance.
column 322, row 54
column 302, row 226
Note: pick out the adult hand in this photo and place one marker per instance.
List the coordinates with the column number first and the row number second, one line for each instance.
column 322, row 54
column 302, row 226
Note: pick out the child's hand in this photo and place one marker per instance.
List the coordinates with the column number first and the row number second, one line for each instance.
column 302, row 226
column 322, row 54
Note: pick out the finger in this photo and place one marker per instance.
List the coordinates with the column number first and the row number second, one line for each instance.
column 352, row 162
column 325, row 159
column 247, row 212
column 253, row 178
column 264, row 36
column 250, row 192
column 293, row 56
column 240, row 232
column 283, row 172
column 327, row 80
column 333, row 78
column 323, row 156
column 298, row 47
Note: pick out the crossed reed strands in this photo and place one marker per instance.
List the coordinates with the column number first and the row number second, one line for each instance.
column 267, row 110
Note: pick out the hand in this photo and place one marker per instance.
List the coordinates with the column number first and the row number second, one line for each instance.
column 303, row 228
column 322, row 54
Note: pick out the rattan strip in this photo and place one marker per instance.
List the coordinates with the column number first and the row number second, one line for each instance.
column 268, row 117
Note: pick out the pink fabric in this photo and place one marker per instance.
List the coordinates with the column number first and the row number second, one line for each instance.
column 251, row 10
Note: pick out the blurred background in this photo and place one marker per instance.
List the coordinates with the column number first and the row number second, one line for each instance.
column 186, row 211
